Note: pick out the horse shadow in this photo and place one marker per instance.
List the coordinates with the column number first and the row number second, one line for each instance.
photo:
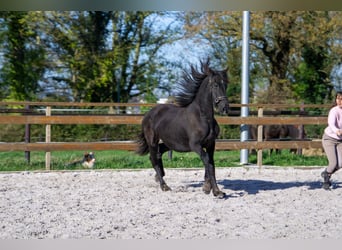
column 253, row 186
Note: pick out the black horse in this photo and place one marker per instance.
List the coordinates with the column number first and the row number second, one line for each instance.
column 188, row 124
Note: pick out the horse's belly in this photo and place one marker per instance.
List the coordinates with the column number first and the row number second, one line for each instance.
column 177, row 146
column 182, row 149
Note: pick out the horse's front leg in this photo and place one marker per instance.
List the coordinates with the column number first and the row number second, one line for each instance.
column 207, row 187
column 207, row 183
column 209, row 176
column 211, row 173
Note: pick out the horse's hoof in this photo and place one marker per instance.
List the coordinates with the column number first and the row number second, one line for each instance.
column 156, row 178
column 165, row 187
column 326, row 186
column 206, row 188
column 220, row 194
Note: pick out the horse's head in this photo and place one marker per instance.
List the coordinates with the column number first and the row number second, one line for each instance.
column 219, row 81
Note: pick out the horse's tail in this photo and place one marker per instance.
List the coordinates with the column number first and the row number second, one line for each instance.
column 142, row 145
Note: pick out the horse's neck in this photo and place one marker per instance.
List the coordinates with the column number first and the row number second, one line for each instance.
column 205, row 104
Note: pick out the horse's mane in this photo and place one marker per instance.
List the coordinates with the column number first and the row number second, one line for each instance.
column 190, row 84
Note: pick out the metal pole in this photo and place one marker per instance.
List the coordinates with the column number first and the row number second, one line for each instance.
column 47, row 140
column 244, row 86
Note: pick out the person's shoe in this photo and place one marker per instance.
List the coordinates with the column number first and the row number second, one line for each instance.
column 326, row 180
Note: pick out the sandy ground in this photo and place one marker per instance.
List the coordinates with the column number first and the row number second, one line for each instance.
column 269, row 204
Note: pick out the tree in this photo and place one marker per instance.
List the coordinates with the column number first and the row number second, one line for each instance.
column 76, row 43
column 320, row 53
column 221, row 30
column 277, row 41
column 104, row 56
column 312, row 81
column 302, row 44
column 24, row 58
column 133, row 58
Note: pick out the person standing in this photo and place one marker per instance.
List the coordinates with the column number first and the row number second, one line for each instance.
column 332, row 141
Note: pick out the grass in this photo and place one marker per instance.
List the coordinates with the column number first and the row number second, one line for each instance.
column 15, row 161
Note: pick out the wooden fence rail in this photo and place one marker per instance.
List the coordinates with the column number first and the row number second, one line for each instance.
column 136, row 119
column 48, row 120
column 131, row 145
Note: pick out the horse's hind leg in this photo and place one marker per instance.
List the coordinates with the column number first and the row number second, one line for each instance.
column 156, row 160
column 161, row 150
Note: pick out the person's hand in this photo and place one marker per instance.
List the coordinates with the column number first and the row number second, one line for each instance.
column 339, row 132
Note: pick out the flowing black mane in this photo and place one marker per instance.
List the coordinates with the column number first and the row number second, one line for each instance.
column 190, row 84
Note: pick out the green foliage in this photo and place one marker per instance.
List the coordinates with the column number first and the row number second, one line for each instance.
column 229, row 132
column 111, row 56
column 24, row 58
column 277, row 40
column 311, row 85
column 94, row 56
column 106, row 56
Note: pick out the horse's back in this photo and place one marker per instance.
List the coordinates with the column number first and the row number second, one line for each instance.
column 161, row 112
column 161, row 117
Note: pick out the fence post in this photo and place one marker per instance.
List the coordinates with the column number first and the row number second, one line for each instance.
column 301, row 130
column 48, row 139
column 260, row 138
column 27, row 136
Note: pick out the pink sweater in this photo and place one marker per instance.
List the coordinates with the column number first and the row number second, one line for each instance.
column 334, row 122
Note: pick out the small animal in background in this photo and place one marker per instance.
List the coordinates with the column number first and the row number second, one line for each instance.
column 88, row 160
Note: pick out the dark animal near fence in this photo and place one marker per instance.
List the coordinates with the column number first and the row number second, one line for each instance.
column 296, row 132
column 275, row 132
column 189, row 124
column 278, row 132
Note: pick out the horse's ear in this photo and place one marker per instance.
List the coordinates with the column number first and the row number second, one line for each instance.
column 205, row 66
column 206, row 61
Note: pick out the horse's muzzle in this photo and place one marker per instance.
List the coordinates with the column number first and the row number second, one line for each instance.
column 222, row 105
column 224, row 110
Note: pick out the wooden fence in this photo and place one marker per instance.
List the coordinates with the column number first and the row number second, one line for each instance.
column 30, row 116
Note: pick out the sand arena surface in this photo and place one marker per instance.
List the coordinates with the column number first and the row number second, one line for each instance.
column 273, row 203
